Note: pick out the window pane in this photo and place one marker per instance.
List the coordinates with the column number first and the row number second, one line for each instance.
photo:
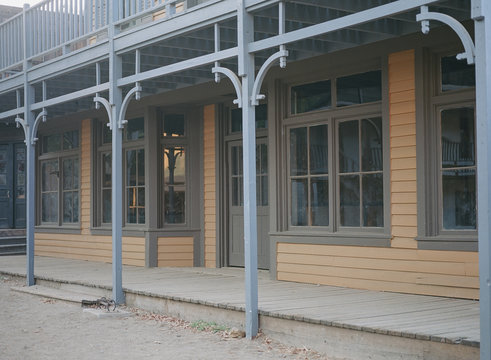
column 299, row 202
column 371, row 144
column 459, row 199
column 68, row 207
column 49, row 207
column 174, row 178
column 141, row 197
column 173, row 125
column 68, row 174
column 106, row 206
column 70, row 140
column 359, row 88
column 141, row 216
column 458, row 137
column 261, row 112
column 106, row 170
column 50, row 174
column 349, row 157
column 236, row 160
column 135, row 129
column 373, row 200
column 51, row 143
column 349, row 200
column 457, row 74
column 131, row 206
column 311, row 97
column 319, row 150
column 264, row 191
column 131, row 168
column 174, row 165
column 298, row 151
column 141, row 167
column 175, row 197
column 319, row 201
column 107, row 134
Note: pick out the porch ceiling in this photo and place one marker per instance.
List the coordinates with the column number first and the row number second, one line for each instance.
column 299, row 14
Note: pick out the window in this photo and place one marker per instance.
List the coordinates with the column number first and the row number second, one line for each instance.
column 60, row 169
column 310, row 97
column 448, row 158
column 174, row 150
column 359, row 184
column 133, row 170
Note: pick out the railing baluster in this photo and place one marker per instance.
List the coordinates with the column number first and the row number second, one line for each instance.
column 52, row 27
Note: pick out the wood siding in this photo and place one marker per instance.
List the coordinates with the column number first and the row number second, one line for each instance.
column 402, row 112
column 85, row 246
column 402, row 267
column 89, row 247
column 175, row 251
column 209, row 185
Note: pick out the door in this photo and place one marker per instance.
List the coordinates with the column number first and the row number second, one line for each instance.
column 6, row 213
column 236, row 204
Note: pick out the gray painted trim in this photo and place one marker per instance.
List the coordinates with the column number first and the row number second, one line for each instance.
column 220, row 186
column 439, row 244
column 57, row 230
column 107, row 232
column 335, row 239
column 199, row 240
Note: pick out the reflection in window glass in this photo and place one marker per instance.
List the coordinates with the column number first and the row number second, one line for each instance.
column 309, row 167
column 135, row 129
column 174, row 184
column 456, row 74
column 361, row 190
column 70, row 190
column 51, row 143
column 173, row 125
column 311, row 97
column 359, row 88
column 458, row 169
column 135, row 186
column 49, row 191
column 106, row 187
column 70, row 140
column 261, row 112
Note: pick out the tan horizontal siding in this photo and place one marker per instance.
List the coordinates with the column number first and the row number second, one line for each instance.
column 85, row 176
column 87, row 247
column 175, row 251
column 440, row 273
column 209, row 185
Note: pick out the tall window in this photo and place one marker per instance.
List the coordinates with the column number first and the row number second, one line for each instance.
column 449, row 158
column 335, row 165
column 133, row 170
column 174, row 149
column 60, row 169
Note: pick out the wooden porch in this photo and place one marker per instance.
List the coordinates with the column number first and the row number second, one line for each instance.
column 339, row 321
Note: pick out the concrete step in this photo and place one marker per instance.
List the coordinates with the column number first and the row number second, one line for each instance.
column 59, row 293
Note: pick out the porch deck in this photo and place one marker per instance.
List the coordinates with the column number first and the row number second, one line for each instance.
column 421, row 321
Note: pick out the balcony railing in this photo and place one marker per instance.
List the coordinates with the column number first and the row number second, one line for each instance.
column 55, row 27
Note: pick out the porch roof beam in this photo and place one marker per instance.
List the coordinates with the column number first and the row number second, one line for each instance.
column 70, row 97
column 11, row 113
column 347, row 21
column 180, row 66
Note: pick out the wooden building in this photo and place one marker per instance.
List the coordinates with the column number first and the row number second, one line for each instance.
column 365, row 155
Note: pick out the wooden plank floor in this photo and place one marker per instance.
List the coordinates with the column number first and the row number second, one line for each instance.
column 414, row 316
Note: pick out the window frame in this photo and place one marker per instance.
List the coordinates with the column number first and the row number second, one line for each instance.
column 335, row 234
column 102, row 148
column 430, row 101
column 59, row 156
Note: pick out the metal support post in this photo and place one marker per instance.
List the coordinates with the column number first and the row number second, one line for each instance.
column 481, row 13
column 246, row 71
column 115, row 99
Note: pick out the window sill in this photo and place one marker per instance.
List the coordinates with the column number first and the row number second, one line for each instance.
column 47, row 229
column 448, row 242
column 346, row 239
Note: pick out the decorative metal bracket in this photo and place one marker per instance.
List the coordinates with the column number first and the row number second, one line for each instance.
column 41, row 116
column 126, row 101
column 235, row 81
column 100, row 100
column 282, row 54
column 25, row 126
column 425, row 16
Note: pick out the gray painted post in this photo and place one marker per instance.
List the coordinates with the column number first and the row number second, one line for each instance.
column 30, row 159
column 246, row 71
column 115, row 99
column 482, row 16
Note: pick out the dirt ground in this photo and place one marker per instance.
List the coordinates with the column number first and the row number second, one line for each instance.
column 33, row 327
